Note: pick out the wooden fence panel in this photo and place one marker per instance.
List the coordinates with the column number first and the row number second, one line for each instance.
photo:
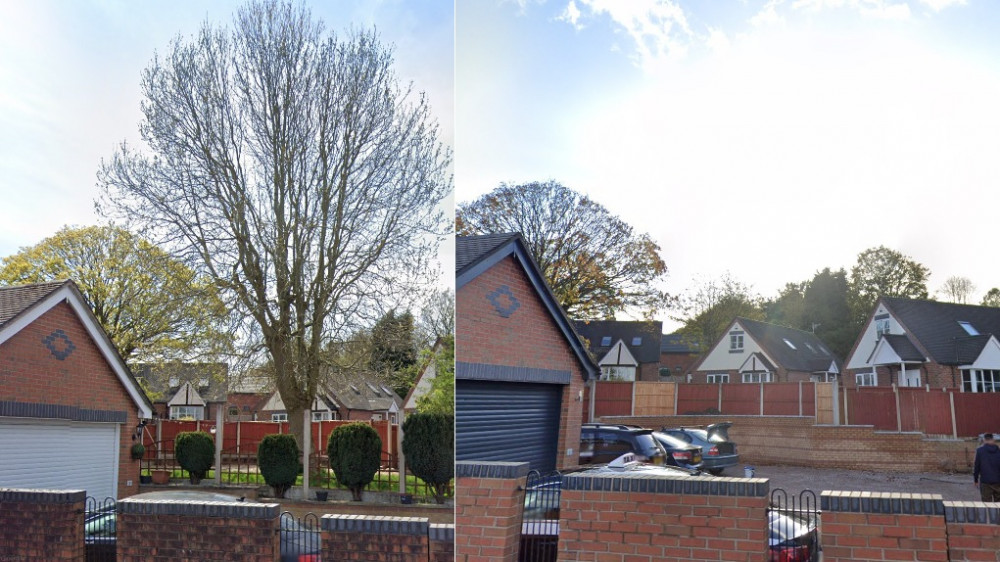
column 976, row 413
column 697, row 398
column 655, row 398
column 874, row 406
column 740, row 399
column 929, row 412
column 613, row 398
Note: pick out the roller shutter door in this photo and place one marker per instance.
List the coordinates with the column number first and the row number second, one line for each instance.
column 504, row 421
column 59, row 455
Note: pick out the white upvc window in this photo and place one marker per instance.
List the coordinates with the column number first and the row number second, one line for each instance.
column 866, row 379
column 718, row 377
column 617, row 373
column 735, row 342
column 186, row 413
column 981, row 380
column 758, row 376
column 280, row 417
column 881, row 327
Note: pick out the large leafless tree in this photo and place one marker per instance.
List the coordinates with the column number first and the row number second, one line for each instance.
column 292, row 166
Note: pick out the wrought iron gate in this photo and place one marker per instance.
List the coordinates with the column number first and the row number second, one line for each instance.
column 540, row 518
column 100, row 525
column 793, row 522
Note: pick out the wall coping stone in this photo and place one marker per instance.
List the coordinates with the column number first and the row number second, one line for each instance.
column 491, row 469
column 882, row 502
column 25, row 495
column 13, row 409
column 375, row 524
column 443, row 532
column 194, row 508
column 661, row 484
column 972, row 512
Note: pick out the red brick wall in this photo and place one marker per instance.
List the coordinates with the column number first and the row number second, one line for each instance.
column 598, row 522
column 685, row 361
column 886, row 527
column 489, row 498
column 972, row 531
column 352, row 537
column 529, row 337
column 797, row 440
column 442, row 543
column 30, row 373
column 41, row 525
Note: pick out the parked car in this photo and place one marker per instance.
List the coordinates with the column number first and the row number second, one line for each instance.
column 603, row 443
column 298, row 543
column 679, row 452
column 717, row 451
column 793, row 537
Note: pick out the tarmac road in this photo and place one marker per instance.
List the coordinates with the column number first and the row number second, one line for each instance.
column 794, row 480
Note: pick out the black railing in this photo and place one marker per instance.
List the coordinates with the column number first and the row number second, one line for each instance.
column 100, row 522
column 301, row 538
column 540, row 518
column 793, row 523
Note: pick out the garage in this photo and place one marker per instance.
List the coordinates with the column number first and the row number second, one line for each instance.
column 502, row 421
column 59, row 455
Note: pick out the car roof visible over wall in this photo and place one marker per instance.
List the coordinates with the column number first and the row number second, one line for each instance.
column 935, row 325
column 476, row 254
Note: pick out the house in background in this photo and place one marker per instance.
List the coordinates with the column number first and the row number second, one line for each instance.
column 678, row 356
column 623, row 350
column 359, row 398
column 754, row 352
column 185, row 391
column 909, row 342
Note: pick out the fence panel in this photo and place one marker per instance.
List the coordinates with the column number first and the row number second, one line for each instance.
column 613, row 398
column 654, row 398
column 872, row 406
column 790, row 399
column 976, row 413
column 929, row 412
column 697, row 398
column 740, row 399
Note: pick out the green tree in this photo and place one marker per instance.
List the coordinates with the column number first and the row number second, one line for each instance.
column 393, row 352
column 789, row 308
column 991, row 298
column 278, row 460
column 195, row 451
column 294, row 168
column 152, row 306
column 882, row 272
column 441, row 397
column 355, row 453
column 594, row 262
column 709, row 308
column 429, row 448
column 828, row 313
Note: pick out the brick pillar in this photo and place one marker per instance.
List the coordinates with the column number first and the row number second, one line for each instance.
column 973, row 530
column 41, row 524
column 442, row 545
column 489, row 501
column 370, row 537
column 879, row 526
column 618, row 517
column 167, row 530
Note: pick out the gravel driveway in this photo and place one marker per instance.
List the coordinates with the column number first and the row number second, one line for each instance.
column 793, row 479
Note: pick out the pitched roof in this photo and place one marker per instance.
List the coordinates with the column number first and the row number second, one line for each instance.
column 476, row 254
column 793, row 349
column 209, row 379
column 903, row 347
column 360, row 393
column 678, row 343
column 935, row 326
column 604, row 334
column 17, row 299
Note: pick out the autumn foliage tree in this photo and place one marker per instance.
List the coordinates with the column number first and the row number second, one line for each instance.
column 595, row 263
column 299, row 174
column 883, row 272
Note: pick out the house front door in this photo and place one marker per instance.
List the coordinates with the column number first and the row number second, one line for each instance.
column 911, row 377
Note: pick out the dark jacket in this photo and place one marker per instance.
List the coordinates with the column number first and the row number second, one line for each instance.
column 987, row 466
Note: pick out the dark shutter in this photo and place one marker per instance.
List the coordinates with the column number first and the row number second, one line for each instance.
column 508, row 421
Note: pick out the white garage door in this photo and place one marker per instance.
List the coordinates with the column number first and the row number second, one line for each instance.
column 59, row 455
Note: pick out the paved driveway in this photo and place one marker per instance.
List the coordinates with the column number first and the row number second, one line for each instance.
column 952, row 487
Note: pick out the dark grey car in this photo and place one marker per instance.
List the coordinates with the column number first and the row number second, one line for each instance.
column 717, row 451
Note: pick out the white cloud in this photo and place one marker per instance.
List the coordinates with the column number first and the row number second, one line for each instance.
column 768, row 15
column 880, row 9
column 571, row 15
column 938, row 5
column 658, row 29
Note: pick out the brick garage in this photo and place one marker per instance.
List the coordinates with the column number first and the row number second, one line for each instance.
column 63, row 384
column 514, row 347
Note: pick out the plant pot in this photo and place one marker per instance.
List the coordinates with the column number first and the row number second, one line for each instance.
column 322, row 495
column 160, row 476
column 145, row 479
column 406, row 499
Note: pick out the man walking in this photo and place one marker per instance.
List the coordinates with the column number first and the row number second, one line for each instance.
column 986, row 470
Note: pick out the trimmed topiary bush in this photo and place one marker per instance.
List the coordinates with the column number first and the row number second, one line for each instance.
column 355, row 452
column 195, row 451
column 278, row 461
column 429, row 448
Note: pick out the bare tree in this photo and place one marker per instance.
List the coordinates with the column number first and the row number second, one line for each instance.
column 958, row 289
column 291, row 166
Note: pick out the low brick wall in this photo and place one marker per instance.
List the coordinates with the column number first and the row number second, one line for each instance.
column 366, row 537
column 799, row 441
column 41, row 524
column 489, row 499
column 442, row 543
column 861, row 526
column 973, row 530
column 188, row 530
column 613, row 518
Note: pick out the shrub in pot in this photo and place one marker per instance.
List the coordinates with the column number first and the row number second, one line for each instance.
column 195, row 452
column 428, row 445
column 278, row 461
column 138, row 450
column 355, row 452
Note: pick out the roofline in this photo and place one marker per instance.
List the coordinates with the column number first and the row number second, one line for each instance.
column 516, row 248
column 70, row 294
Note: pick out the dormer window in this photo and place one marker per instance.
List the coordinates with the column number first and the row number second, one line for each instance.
column 174, row 381
column 969, row 328
column 736, row 342
column 637, row 341
column 605, row 341
column 790, row 344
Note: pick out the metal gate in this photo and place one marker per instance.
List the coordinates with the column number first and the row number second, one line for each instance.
column 100, row 523
column 540, row 518
column 793, row 522
column 301, row 538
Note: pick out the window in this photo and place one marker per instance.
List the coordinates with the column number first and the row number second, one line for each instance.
column 617, row 373
column 605, row 341
column 321, row 416
column 203, row 382
column 790, row 344
column 718, row 377
column 282, row 417
column 866, row 379
column 881, row 327
column 186, row 413
column 736, row 342
column 969, row 328
column 234, row 411
column 757, row 376
column 980, row 380
column 636, row 341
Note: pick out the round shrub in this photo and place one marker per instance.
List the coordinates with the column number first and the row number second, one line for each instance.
column 355, row 452
column 278, row 461
column 195, row 451
column 429, row 448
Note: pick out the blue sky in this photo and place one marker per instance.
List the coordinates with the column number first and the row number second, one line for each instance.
column 766, row 138
column 69, row 90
